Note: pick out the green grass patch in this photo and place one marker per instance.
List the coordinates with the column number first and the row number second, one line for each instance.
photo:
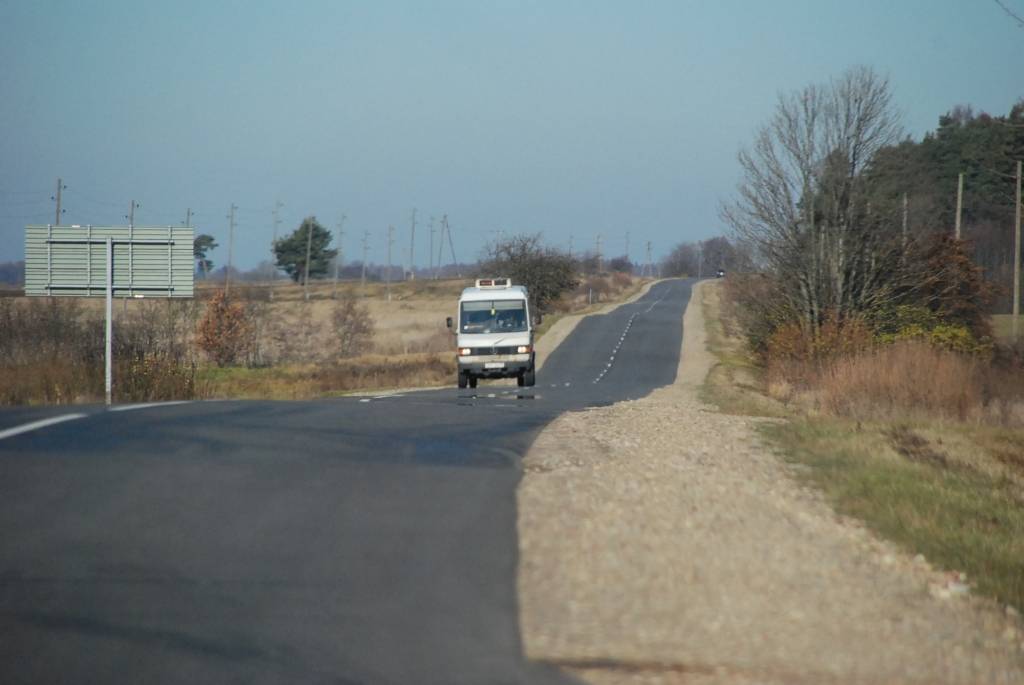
column 1002, row 327
column 734, row 383
column 959, row 518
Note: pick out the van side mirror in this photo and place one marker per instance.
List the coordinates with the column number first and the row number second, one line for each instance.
column 448, row 322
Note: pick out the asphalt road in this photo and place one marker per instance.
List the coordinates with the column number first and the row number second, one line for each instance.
column 354, row 540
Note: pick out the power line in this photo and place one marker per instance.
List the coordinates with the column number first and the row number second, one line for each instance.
column 1013, row 15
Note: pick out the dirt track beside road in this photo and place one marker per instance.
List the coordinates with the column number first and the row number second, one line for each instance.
column 661, row 542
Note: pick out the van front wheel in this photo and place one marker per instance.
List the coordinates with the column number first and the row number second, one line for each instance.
column 529, row 378
column 463, row 379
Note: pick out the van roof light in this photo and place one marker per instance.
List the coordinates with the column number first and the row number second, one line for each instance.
column 493, row 283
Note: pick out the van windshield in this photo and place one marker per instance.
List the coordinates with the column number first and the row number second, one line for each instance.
column 493, row 316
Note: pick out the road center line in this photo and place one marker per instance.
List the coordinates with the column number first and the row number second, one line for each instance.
column 36, row 425
column 622, row 339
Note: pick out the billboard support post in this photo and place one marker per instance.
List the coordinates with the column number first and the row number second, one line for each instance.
column 108, row 375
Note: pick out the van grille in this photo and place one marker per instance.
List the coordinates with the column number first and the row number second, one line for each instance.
column 506, row 349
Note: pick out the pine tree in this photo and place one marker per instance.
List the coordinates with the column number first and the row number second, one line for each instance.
column 290, row 251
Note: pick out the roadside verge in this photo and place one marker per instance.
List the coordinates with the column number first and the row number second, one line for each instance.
column 662, row 542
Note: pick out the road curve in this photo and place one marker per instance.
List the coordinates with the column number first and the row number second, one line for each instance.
column 352, row 540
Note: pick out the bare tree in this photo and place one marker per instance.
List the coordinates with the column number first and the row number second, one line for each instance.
column 545, row 271
column 802, row 203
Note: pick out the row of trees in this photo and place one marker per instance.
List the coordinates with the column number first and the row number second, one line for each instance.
column 290, row 252
column 704, row 258
column 820, row 208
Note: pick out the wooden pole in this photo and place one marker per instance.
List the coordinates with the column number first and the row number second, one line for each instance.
column 309, row 249
column 1015, row 325
column 959, row 202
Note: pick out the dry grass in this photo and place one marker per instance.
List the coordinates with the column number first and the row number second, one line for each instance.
column 905, row 381
column 308, row 381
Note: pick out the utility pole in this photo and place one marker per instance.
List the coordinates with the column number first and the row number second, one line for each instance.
column 627, row 246
column 340, row 256
column 570, row 246
column 188, row 218
column 650, row 268
column 412, row 247
column 440, row 247
column 131, row 212
column 231, row 248
column 366, row 248
column 599, row 238
column 391, row 240
column 273, row 242
column 448, row 230
column 430, row 256
column 959, row 202
column 700, row 260
column 60, row 187
column 1015, row 325
column 309, row 249
column 906, row 219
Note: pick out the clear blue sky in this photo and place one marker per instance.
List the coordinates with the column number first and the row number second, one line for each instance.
column 560, row 117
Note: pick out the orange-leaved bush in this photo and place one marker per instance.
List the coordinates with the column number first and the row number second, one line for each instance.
column 223, row 332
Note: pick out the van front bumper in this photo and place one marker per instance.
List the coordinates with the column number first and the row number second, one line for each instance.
column 495, row 365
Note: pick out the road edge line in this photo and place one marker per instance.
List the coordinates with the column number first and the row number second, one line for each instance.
column 36, row 425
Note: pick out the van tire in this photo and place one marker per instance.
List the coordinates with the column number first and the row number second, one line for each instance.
column 463, row 379
column 472, row 381
column 529, row 377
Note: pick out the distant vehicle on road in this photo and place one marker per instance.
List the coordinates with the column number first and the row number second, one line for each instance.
column 720, row 273
column 494, row 333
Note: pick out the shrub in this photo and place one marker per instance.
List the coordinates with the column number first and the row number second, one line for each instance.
column 951, row 285
column 835, row 338
column 353, row 327
column 223, row 331
column 901, row 379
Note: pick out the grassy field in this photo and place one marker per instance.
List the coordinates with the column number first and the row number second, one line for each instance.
column 951, row 490
column 51, row 348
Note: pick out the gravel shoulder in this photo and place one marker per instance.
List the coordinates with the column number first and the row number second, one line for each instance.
column 661, row 542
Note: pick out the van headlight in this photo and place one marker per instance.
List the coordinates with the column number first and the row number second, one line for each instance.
column 465, row 351
column 523, row 349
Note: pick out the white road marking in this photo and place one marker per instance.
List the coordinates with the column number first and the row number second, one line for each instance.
column 145, row 405
column 367, row 399
column 622, row 338
column 36, row 425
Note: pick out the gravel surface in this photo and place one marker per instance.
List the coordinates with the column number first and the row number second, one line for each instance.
column 660, row 542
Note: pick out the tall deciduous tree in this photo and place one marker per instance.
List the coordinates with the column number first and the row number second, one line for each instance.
column 802, row 202
column 290, row 251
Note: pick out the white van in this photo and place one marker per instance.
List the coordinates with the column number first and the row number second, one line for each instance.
column 495, row 333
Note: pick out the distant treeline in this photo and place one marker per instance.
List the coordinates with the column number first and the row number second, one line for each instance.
column 985, row 149
column 12, row 273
